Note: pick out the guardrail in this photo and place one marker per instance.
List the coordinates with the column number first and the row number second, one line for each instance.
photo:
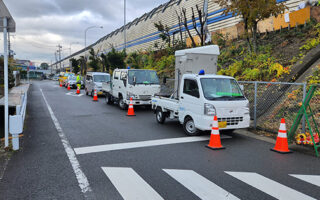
column 16, row 121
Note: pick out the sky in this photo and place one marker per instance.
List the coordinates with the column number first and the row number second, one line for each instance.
column 41, row 25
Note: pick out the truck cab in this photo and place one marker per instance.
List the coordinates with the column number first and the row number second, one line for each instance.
column 138, row 84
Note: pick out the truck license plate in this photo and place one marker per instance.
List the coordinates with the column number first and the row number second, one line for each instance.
column 222, row 124
column 100, row 93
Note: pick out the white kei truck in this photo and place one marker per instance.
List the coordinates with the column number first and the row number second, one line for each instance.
column 200, row 96
column 94, row 81
column 140, row 84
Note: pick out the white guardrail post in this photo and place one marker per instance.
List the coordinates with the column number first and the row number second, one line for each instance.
column 16, row 122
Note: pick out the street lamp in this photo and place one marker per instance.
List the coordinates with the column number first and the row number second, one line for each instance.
column 85, row 41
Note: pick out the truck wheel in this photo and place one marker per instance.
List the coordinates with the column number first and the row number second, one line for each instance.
column 108, row 99
column 189, row 127
column 87, row 93
column 122, row 105
column 160, row 116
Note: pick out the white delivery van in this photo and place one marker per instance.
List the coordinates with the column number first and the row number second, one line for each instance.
column 94, row 81
column 140, row 84
column 200, row 98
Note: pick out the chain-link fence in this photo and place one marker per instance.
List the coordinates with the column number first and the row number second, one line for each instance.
column 271, row 101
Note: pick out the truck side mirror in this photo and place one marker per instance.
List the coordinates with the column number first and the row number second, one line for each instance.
column 164, row 80
column 134, row 80
column 241, row 87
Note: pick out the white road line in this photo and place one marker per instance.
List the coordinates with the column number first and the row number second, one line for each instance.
column 131, row 145
column 129, row 184
column 313, row 179
column 199, row 185
column 269, row 186
column 81, row 177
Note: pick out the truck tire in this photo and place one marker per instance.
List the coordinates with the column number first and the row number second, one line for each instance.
column 108, row 99
column 122, row 105
column 190, row 128
column 160, row 116
column 87, row 93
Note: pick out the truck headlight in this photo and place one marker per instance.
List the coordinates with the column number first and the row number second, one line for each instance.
column 209, row 109
column 129, row 94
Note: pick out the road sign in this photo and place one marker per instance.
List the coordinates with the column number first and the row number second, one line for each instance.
column 4, row 13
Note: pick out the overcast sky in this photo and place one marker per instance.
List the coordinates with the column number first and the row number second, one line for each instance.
column 43, row 24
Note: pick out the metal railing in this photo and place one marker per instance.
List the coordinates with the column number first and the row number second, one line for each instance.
column 16, row 121
column 271, row 101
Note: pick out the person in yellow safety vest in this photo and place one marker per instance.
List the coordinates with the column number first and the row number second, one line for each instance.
column 79, row 78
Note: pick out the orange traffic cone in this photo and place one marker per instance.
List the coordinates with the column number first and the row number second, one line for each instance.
column 78, row 90
column 215, row 141
column 60, row 84
column 130, row 109
column 282, row 141
column 95, row 96
column 68, row 87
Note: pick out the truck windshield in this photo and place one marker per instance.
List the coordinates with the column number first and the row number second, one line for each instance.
column 101, row 78
column 221, row 88
column 143, row 77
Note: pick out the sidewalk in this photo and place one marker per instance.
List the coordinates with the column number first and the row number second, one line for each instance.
column 40, row 169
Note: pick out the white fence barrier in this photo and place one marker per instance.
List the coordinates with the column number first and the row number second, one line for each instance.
column 16, row 121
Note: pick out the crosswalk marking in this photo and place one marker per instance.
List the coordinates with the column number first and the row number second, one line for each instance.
column 313, row 179
column 129, row 184
column 269, row 186
column 199, row 185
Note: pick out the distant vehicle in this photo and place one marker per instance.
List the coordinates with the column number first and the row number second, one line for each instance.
column 140, row 84
column 55, row 77
column 201, row 96
column 72, row 80
column 94, row 81
column 63, row 77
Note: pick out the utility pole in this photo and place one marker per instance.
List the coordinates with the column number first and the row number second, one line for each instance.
column 9, row 45
column 59, row 52
column 124, row 26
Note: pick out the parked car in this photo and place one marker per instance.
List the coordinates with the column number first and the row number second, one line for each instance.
column 94, row 81
column 72, row 80
column 55, row 77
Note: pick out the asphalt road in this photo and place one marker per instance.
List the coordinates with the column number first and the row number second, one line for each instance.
column 142, row 166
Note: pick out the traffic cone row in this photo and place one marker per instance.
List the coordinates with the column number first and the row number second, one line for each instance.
column 130, row 109
column 95, row 96
column 282, row 140
column 281, row 145
column 215, row 141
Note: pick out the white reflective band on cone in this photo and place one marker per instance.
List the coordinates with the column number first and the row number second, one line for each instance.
column 215, row 132
column 282, row 126
column 282, row 135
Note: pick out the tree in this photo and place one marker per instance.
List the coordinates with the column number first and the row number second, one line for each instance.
column 82, row 63
column 200, row 33
column 185, row 23
column 252, row 11
column 44, row 66
column 75, row 65
column 116, row 59
column 105, row 62
column 165, row 32
column 93, row 60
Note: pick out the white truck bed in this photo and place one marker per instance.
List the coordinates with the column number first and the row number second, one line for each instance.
column 106, row 87
column 167, row 104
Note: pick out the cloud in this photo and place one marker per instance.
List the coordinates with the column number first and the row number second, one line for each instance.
column 43, row 24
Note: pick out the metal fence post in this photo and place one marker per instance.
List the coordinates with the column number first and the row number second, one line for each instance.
column 255, row 105
column 304, row 117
